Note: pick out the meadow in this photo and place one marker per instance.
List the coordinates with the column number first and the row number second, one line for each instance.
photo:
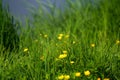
column 77, row 44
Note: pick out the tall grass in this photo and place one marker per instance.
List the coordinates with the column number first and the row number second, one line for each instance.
column 81, row 43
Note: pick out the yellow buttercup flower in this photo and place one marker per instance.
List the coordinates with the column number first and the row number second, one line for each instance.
column 72, row 62
column 87, row 73
column 106, row 79
column 61, row 77
column 59, row 37
column 92, row 45
column 66, row 77
column 98, row 78
column 73, row 42
column 26, row 49
column 45, row 35
column 61, row 56
column 117, row 42
column 77, row 74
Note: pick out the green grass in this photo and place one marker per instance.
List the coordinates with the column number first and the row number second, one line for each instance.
column 88, row 37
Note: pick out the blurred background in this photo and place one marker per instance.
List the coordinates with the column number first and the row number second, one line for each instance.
column 22, row 9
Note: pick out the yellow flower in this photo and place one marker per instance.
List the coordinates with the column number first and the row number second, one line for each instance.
column 77, row 74
column 74, row 42
column 45, row 35
column 87, row 73
column 61, row 77
column 59, row 37
column 98, row 78
column 117, row 42
column 62, row 56
column 92, row 45
column 66, row 77
column 64, row 52
column 26, row 49
column 72, row 62
column 106, row 79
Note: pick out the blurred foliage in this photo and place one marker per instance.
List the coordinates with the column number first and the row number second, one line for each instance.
column 111, row 11
column 8, row 35
column 84, row 35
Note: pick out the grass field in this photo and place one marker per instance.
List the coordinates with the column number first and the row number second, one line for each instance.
column 82, row 44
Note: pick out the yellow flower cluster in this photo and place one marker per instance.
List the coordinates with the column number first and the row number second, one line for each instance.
column 61, row 56
column 60, row 36
column 77, row 74
column 65, row 77
column 103, row 79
